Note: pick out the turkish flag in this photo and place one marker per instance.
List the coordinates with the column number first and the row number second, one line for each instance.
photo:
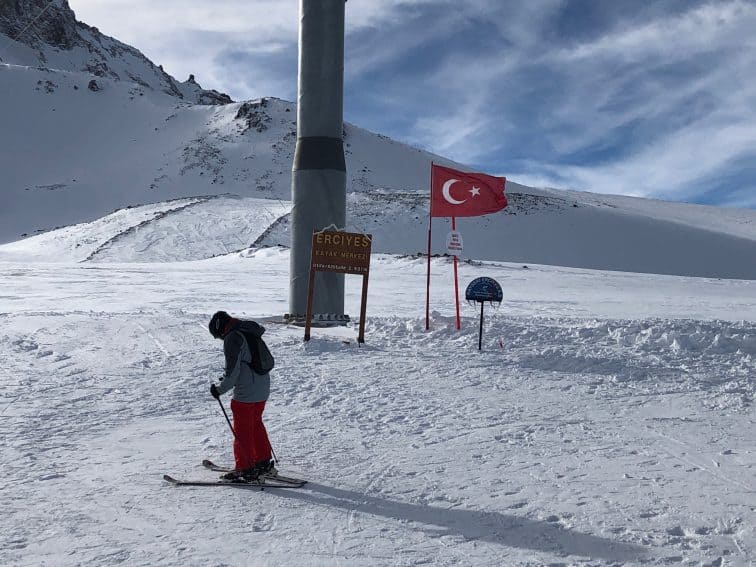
column 458, row 194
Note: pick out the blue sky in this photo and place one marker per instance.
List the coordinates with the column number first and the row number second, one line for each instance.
column 652, row 99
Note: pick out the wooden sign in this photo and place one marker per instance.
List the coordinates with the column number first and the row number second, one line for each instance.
column 345, row 253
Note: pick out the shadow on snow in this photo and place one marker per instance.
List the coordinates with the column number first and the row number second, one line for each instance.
column 494, row 527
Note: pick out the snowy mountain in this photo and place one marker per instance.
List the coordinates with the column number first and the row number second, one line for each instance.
column 608, row 419
column 90, row 126
column 46, row 35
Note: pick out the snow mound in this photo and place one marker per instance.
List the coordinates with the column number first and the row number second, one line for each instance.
column 84, row 241
column 210, row 227
column 534, row 229
column 184, row 229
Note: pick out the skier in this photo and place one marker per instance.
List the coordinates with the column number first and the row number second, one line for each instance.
column 252, row 449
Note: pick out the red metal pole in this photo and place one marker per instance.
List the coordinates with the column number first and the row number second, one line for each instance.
column 456, row 280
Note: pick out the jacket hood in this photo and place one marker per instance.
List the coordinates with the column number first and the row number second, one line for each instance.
column 251, row 327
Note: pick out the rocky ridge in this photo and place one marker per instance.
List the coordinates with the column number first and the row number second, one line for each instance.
column 46, row 34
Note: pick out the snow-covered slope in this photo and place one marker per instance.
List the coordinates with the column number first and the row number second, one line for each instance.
column 535, row 229
column 183, row 229
column 97, row 128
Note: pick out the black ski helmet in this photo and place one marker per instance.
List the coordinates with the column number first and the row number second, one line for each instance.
column 218, row 324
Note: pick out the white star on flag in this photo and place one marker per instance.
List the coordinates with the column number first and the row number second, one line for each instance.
column 475, row 191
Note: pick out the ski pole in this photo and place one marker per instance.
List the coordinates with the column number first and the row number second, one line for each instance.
column 226, row 415
column 272, row 452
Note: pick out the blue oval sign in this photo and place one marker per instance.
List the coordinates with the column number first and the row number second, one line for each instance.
column 484, row 289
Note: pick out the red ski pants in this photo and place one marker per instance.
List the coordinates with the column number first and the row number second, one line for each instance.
column 251, row 444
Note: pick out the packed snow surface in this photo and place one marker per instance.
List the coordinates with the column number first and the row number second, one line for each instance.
column 608, row 419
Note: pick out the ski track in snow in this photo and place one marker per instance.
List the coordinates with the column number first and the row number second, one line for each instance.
column 570, row 440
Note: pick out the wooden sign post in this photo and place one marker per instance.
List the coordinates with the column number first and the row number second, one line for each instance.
column 345, row 253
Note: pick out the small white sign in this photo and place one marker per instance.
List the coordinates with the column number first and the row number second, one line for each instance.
column 454, row 243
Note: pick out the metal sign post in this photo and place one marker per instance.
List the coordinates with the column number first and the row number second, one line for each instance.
column 481, row 290
column 341, row 252
column 454, row 246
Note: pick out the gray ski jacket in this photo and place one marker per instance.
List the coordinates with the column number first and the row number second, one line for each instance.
column 248, row 385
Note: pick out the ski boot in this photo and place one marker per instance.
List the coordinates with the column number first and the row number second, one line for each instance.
column 241, row 475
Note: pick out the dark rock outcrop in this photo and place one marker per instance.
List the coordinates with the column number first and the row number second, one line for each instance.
column 50, row 26
column 37, row 23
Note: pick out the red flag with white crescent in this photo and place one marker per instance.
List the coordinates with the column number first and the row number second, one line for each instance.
column 459, row 194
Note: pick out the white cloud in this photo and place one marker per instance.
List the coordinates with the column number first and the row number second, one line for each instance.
column 188, row 36
column 679, row 82
column 675, row 166
column 678, row 149
column 675, row 36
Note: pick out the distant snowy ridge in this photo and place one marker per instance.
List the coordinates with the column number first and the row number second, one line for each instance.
column 530, row 231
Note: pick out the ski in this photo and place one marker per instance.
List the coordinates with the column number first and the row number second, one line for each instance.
column 262, row 485
column 208, row 464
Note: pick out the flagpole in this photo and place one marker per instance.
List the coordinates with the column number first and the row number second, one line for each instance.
column 456, row 280
column 430, row 226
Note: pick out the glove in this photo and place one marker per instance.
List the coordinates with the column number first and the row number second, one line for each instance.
column 214, row 391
